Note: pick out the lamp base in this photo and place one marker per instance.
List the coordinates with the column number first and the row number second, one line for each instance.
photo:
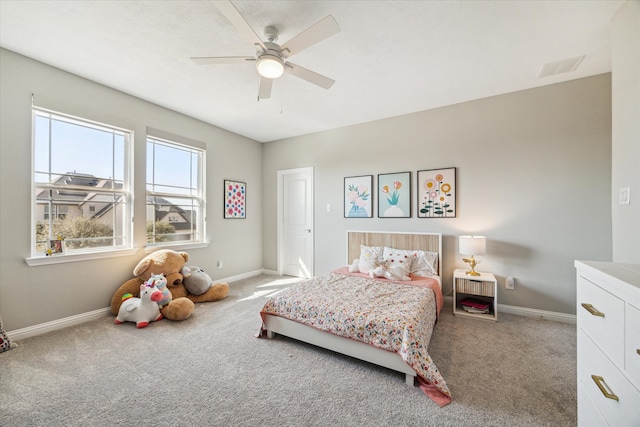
column 472, row 264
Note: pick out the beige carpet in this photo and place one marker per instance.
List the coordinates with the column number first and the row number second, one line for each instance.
column 210, row 370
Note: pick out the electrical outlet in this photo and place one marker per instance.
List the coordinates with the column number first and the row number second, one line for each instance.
column 219, row 264
column 509, row 283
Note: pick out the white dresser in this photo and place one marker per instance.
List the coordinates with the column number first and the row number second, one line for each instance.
column 608, row 321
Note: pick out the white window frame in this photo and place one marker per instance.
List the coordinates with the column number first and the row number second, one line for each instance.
column 126, row 235
column 197, row 189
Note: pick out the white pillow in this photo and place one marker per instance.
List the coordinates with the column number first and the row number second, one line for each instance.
column 370, row 257
column 425, row 264
column 355, row 266
column 398, row 259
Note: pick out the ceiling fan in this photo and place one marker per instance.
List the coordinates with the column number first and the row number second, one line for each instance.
column 271, row 58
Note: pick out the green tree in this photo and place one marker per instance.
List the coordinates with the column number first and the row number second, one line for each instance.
column 162, row 228
column 93, row 232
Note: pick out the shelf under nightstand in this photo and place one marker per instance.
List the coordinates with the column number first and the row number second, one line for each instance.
column 483, row 288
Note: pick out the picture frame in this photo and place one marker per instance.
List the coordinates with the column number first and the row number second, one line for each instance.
column 437, row 193
column 235, row 199
column 56, row 247
column 394, row 195
column 358, row 196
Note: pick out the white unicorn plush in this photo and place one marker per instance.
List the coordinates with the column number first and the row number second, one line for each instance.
column 141, row 310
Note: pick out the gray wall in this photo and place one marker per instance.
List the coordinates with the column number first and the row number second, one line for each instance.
column 626, row 131
column 533, row 175
column 35, row 295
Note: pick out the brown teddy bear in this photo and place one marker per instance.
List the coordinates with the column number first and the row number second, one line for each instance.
column 170, row 264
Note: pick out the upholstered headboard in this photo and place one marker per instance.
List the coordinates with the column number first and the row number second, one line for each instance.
column 431, row 242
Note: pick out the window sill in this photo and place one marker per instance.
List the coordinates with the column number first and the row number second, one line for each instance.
column 177, row 247
column 60, row 259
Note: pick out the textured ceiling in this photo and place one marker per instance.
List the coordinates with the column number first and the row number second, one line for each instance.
column 390, row 57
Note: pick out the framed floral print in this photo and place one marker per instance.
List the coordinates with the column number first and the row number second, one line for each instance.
column 358, row 197
column 235, row 202
column 394, row 195
column 437, row 193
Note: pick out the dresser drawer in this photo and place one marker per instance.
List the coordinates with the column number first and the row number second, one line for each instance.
column 621, row 412
column 588, row 415
column 632, row 345
column 601, row 316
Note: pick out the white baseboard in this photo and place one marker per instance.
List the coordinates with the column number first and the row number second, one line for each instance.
column 43, row 328
column 240, row 276
column 540, row 314
column 54, row 325
column 530, row 312
column 270, row 272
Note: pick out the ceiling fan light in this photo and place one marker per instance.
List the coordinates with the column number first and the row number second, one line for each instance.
column 270, row 66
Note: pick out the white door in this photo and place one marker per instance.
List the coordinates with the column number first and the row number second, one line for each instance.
column 295, row 222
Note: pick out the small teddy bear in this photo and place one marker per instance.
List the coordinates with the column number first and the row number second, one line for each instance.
column 392, row 273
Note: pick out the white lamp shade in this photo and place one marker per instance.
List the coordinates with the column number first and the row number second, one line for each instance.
column 270, row 66
column 472, row 245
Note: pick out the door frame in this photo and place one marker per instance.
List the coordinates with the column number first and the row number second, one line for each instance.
column 280, row 219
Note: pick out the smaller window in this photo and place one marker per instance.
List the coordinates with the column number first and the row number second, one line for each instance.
column 175, row 192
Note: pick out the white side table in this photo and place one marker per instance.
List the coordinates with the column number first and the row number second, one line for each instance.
column 482, row 288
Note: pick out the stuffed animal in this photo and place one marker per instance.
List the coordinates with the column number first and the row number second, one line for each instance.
column 141, row 310
column 159, row 281
column 169, row 263
column 196, row 280
column 394, row 272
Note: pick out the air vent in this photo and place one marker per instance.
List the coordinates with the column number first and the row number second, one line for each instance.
column 559, row 67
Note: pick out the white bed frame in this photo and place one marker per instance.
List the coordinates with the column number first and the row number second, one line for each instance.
column 420, row 241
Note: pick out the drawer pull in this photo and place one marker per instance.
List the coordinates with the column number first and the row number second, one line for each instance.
column 603, row 387
column 638, row 350
column 592, row 310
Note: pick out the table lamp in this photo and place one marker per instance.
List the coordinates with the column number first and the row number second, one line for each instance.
column 472, row 245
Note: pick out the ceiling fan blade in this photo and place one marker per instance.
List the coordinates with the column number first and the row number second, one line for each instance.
column 231, row 13
column 213, row 60
column 321, row 30
column 264, row 91
column 308, row 75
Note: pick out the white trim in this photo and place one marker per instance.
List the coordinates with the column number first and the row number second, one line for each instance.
column 54, row 325
column 61, row 259
column 540, row 314
column 177, row 247
column 531, row 312
column 239, row 276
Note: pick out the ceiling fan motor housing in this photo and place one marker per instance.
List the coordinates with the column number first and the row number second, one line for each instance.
column 271, row 34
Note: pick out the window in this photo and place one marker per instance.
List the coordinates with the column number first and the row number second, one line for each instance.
column 175, row 191
column 81, row 182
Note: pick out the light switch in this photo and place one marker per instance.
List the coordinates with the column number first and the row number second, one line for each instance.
column 624, row 196
column 329, row 207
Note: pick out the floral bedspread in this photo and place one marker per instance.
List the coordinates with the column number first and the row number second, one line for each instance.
column 395, row 316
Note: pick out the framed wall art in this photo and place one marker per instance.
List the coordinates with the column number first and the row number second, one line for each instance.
column 437, row 193
column 235, row 199
column 394, row 195
column 358, row 196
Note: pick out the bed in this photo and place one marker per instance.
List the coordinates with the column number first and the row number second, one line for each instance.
column 387, row 322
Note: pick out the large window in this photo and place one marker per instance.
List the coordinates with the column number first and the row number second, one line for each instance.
column 175, row 192
column 81, row 183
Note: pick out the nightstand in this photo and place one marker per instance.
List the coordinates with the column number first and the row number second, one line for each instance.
column 480, row 291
